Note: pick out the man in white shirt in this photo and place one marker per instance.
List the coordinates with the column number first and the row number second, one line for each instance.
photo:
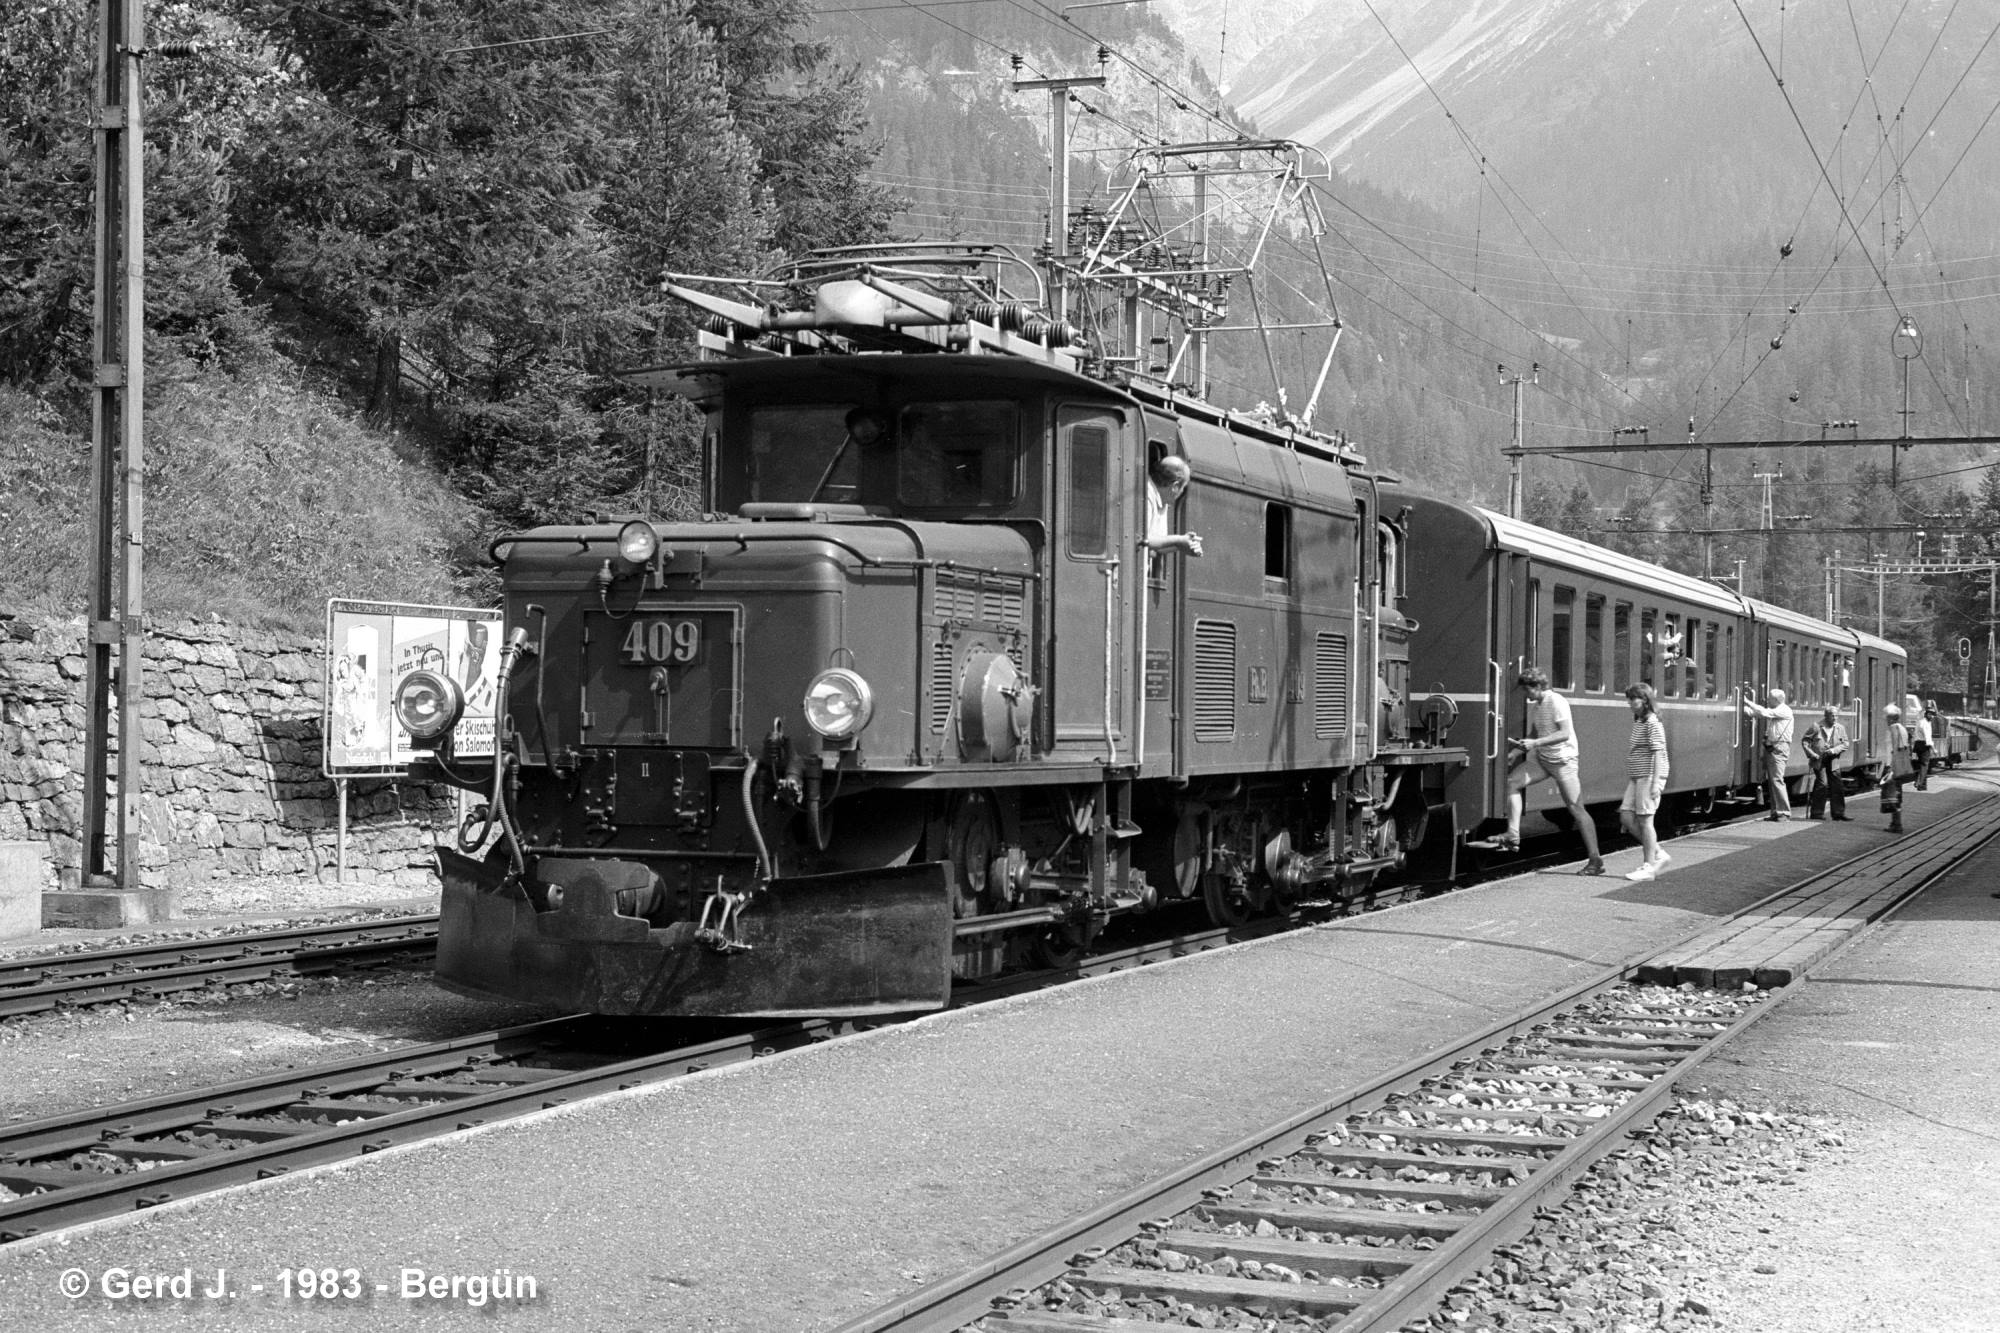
column 1548, row 752
column 1777, row 747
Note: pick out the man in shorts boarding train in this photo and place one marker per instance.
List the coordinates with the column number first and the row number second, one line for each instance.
column 1547, row 753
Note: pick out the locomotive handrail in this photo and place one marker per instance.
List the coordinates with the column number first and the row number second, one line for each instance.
column 515, row 539
column 1493, row 713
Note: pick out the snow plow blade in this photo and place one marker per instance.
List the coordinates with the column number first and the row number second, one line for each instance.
column 853, row 943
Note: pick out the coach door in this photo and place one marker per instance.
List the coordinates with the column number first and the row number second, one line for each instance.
column 1094, row 560
column 1515, row 646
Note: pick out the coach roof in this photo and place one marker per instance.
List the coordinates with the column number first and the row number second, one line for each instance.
column 1511, row 534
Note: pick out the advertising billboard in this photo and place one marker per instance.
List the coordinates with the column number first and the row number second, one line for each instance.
column 370, row 647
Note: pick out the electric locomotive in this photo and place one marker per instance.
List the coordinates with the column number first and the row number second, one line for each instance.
column 915, row 698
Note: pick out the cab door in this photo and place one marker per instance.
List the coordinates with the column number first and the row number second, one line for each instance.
column 1092, row 566
column 1158, row 582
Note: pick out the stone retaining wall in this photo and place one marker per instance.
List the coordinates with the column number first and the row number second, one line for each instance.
column 232, row 784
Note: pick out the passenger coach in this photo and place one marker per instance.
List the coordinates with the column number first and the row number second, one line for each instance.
column 1489, row 595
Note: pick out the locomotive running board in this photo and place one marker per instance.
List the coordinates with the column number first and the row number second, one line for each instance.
column 852, row 943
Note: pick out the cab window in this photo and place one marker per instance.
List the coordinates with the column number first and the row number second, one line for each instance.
column 956, row 455
column 959, row 455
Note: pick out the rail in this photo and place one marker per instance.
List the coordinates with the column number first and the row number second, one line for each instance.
column 82, row 1166
column 1473, row 1139
column 41, row 982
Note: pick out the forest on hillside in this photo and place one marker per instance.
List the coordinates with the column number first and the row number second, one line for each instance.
column 396, row 256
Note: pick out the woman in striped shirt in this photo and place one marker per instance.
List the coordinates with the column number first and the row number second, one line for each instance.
column 1645, row 779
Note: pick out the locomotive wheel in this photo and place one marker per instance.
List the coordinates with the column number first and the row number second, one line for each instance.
column 971, row 843
column 1229, row 908
column 1057, row 947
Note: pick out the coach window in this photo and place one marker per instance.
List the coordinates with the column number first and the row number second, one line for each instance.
column 1593, row 641
column 1708, row 663
column 1670, row 656
column 1649, row 638
column 1621, row 645
column 1277, row 542
column 1562, row 674
column 1534, row 653
column 1690, row 644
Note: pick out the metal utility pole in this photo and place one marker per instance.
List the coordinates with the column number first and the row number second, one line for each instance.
column 1707, row 504
column 118, row 460
column 1881, row 592
column 1059, row 93
column 1908, row 344
column 1766, row 520
column 1518, row 449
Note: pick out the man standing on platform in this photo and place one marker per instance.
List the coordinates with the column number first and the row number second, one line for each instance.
column 1825, row 742
column 1777, row 747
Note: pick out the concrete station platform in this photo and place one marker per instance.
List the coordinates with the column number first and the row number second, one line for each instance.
column 800, row 1191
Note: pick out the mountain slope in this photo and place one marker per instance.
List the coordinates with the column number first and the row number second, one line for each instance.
column 1650, row 122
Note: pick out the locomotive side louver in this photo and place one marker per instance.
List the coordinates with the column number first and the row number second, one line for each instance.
column 1214, row 680
column 941, row 686
column 996, row 601
column 1001, row 605
column 1330, row 683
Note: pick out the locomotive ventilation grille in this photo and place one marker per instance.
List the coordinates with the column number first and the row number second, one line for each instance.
column 1329, row 685
column 995, row 600
column 941, row 686
column 1214, row 680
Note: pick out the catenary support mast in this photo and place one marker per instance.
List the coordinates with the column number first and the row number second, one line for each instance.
column 118, row 465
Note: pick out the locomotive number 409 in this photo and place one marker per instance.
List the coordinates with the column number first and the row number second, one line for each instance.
column 662, row 642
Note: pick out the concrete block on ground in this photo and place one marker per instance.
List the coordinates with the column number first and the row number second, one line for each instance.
column 23, row 871
column 107, row 909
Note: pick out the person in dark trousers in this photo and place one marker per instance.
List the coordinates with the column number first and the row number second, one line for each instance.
column 1919, row 728
column 1934, row 721
column 1825, row 741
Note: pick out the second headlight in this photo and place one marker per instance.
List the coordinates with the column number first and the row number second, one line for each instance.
column 428, row 704
column 838, row 703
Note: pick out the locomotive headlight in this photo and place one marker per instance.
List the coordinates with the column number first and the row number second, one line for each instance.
column 839, row 703
column 637, row 541
column 428, row 704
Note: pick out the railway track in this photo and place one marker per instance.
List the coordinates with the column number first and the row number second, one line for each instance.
column 65, row 1170
column 1360, row 1214
column 150, row 971
column 36, row 984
